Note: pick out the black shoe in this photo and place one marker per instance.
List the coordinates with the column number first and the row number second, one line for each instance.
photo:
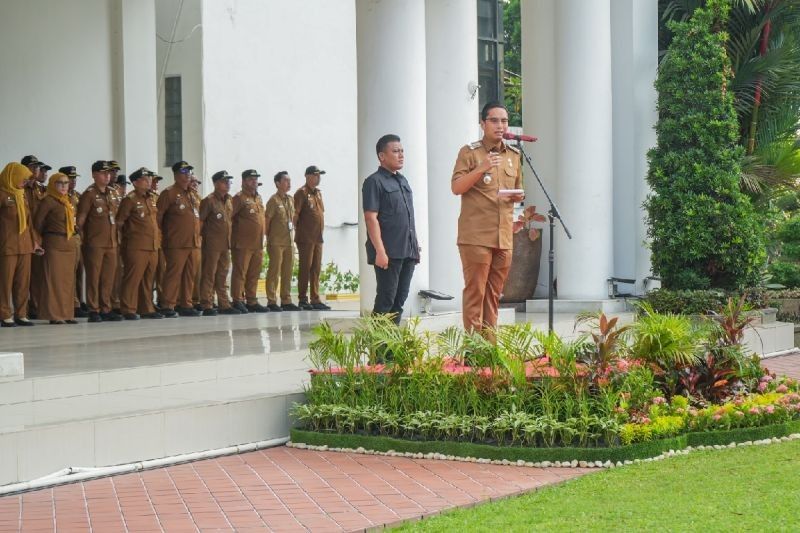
column 153, row 315
column 117, row 311
column 84, row 307
column 229, row 311
column 111, row 317
column 131, row 316
column 166, row 312
column 198, row 307
column 187, row 311
column 209, row 312
column 319, row 306
column 33, row 315
column 239, row 306
column 290, row 307
column 80, row 313
column 23, row 322
column 57, row 322
column 274, row 308
column 71, row 322
column 95, row 317
column 305, row 306
column 8, row 324
column 257, row 308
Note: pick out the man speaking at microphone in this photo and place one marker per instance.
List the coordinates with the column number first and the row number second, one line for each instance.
column 485, row 225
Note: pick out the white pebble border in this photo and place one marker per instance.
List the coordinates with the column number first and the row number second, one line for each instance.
column 544, row 464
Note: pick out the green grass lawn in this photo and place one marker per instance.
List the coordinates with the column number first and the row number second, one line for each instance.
column 754, row 488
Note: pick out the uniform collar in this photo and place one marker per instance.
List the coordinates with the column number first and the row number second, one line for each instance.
column 502, row 147
column 385, row 172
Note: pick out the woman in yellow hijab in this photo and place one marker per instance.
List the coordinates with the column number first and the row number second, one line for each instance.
column 16, row 246
column 55, row 222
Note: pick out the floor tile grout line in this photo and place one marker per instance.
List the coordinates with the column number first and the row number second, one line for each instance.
column 239, row 488
column 86, row 506
column 119, row 506
column 150, row 500
column 410, row 478
column 267, row 486
column 168, row 473
column 211, row 493
column 53, row 501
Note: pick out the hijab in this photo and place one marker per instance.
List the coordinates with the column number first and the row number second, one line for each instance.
column 64, row 200
column 11, row 179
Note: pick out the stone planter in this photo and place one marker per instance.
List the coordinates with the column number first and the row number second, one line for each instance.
column 524, row 274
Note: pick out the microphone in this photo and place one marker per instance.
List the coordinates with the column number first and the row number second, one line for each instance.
column 524, row 138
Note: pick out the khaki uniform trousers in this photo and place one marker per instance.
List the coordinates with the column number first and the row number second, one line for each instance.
column 15, row 285
column 161, row 267
column 485, row 272
column 310, row 255
column 98, row 262
column 182, row 264
column 37, row 283
column 137, row 281
column 118, row 274
column 244, row 277
column 281, row 260
column 56, row 301
column 215, row 268
column 198, row 278
column 78, row 277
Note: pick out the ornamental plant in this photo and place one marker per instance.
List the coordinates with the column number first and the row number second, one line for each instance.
column 704, row 232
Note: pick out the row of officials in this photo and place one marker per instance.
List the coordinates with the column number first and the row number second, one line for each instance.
column 119, row 246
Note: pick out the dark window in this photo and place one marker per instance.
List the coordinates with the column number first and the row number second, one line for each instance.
column 173, row 115
column 490, row 50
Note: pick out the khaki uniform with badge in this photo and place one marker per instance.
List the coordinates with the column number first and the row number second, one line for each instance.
column 179, row 220
column 485, row 232
column 279, row 213
column 310, row 215
column 17, row 242
column 75, row 197
column 118, row 185
column 138, row 222
column 97, row 211
column 215, row 217
column 247, row 246
column 162, row 262
column 35, row 193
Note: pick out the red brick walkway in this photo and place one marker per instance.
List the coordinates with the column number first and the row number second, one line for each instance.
column 784, row 364
column 280, row 489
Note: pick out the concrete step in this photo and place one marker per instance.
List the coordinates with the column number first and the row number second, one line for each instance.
column 577, row 306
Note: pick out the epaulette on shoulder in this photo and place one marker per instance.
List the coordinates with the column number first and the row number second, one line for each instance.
column 475, row 145
column 512, row 148
column 131, row 194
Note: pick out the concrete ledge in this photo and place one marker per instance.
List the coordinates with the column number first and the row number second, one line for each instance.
column 12, row 366
column 577, row 306
column 765, row 339
column 433, row 322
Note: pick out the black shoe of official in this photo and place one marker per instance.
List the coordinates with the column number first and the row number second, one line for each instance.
column 71, row 322
column 229, row 311
column 32, row 315
column 57, row 322
column 198, row 307
column 111, row 317
column 319, row 306
column 95, row 317
column 257, row 308
column 305, row 306
column 131, row 316
column 239, row 306
column 209, row 312
column 290, row 307
column 117, row 311
column 274, row 308
column 8, row 324
column 84, row 307
column 23, row 322
column 166, row 312
column 80, row 313
column 153, row 315
column 187, row 311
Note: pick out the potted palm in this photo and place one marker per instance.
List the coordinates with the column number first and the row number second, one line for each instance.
column 524, row 273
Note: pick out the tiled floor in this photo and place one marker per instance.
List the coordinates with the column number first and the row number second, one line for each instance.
column 784, row 364
column 280, row 489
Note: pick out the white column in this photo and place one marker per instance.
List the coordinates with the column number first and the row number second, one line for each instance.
column 452, row 64
column 391, row 99
column 584, row 147
column 634, row 41
column 539, row 113
column 135, row 84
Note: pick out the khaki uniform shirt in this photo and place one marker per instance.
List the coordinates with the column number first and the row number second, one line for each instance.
column 248, row 222
column 310, row 213
column 486, row 219
column 11, row 241
column 138, row 220
column 280, row 212
column 178, row 218
column 100, row 212
column 75, row 198
column 35, row 194
column 215, row 215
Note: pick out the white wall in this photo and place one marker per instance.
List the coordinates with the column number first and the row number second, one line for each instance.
column 56, row 93
column 177, row 20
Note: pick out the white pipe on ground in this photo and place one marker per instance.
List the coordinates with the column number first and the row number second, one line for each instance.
column 79, row 473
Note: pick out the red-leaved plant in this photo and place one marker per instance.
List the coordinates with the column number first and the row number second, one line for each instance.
column 525, row 221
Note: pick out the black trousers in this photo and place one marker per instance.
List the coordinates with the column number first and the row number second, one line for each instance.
column 393, row 284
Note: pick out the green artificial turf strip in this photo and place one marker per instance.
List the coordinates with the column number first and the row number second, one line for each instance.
column 754, row 488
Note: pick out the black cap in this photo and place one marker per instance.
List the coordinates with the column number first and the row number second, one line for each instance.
column 45, row 166
column 250, row 173
column 121, row 179
column 314, row 169
column 221, row 175
column 100, row 166
column 139, row 173
column 70, row 172
column 156, row 177
column 182, row 166
column 29, row 160
column 113, row 165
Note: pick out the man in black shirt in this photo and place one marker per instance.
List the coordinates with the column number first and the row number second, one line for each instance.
column 392, row 246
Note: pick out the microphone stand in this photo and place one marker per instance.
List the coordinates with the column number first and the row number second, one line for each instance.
column 552, row 214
